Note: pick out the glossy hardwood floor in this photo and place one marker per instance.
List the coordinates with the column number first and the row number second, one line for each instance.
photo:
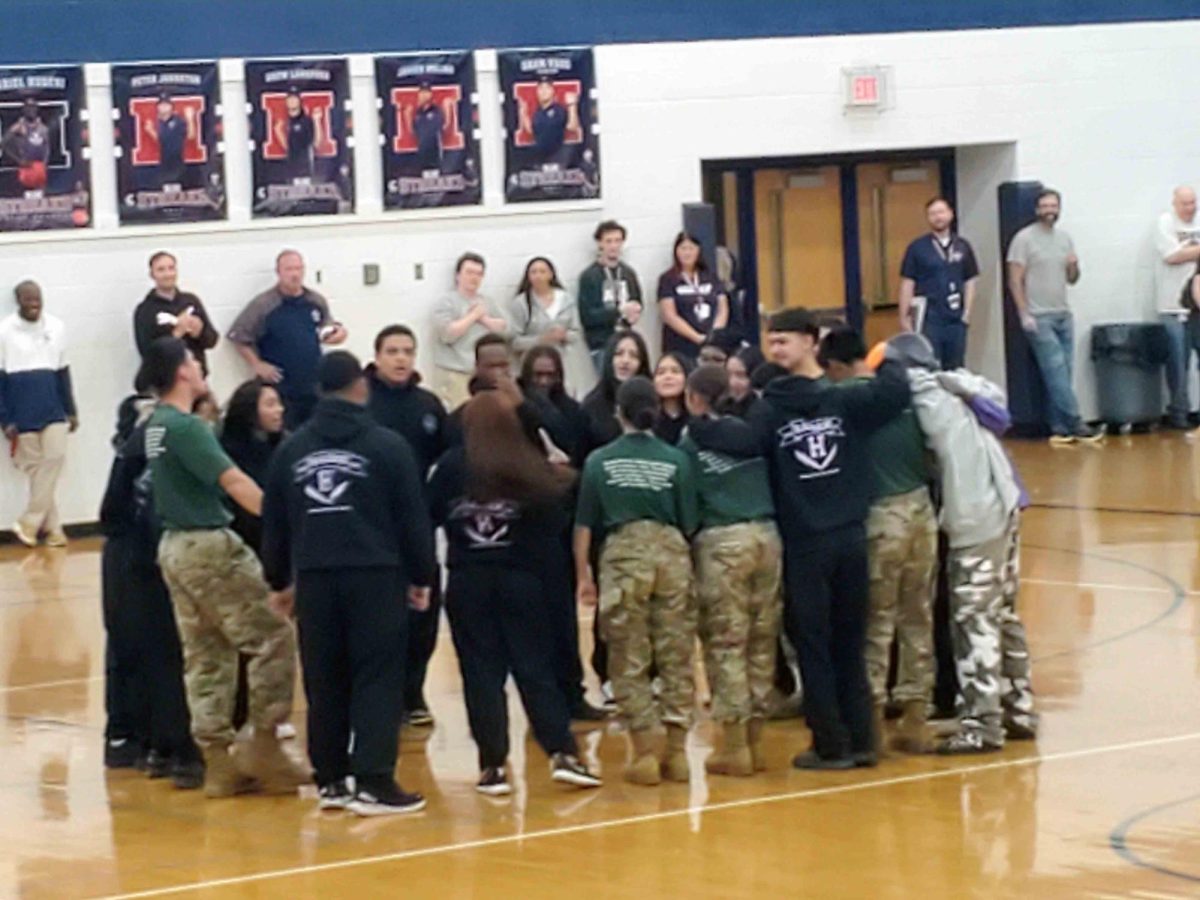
column 1106, row 804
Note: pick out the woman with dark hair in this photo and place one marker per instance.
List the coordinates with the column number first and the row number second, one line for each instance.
column 670, row 381
column 500, row 503
column 624, row 357
column 542, row 313
column 742, row 395
column 252, row 429
column 691, row 302
column 639, row 493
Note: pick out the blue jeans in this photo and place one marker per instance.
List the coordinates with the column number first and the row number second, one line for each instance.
column 1179, row 362
column 1053, row 344
column 949, row 340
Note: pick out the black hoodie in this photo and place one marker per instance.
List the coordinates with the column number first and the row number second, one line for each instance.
column 815, row 438
column 417, row 415
column 342, row 493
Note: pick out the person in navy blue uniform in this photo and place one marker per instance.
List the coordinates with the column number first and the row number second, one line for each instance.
column 171, row 131
column 550, row 121
column 691, row 303
column 279, row 334
column 939, row 267
column 297, row 134
column 427, row 123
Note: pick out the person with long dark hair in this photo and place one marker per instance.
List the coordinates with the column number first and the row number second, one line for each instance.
column 691, row 302
column 251, row 431
column 624, row 357
column 543, row 313
column 742, row 395
column 500, row 503
column 670, row 382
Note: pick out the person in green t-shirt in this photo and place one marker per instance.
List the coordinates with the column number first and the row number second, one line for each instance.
column 902, row 549
column 216, row 585
column 739, row 569
column 640, row 493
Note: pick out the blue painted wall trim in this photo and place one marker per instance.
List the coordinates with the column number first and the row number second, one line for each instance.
column 115, row 30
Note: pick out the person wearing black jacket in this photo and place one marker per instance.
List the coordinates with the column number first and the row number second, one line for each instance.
column 815, row 438
column 346, row 538
column 144, row 693
column 399, row 403
column 624, row 356
column 168, row 311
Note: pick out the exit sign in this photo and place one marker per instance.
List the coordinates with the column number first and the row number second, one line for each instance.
column 865, row 87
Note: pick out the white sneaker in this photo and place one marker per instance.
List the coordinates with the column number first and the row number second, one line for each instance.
column 23, row 535
column 56, row 539
column 285, row 731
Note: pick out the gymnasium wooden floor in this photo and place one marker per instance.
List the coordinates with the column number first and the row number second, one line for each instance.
column 1105, row 805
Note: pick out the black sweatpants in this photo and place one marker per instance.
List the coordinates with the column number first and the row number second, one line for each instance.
column 500, row 624
column 564, row 623
column 945, row 691
column 827, row 595
column 421, row 643
column 350, row 622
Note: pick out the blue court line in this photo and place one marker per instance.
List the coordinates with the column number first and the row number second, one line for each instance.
column 1119, row 840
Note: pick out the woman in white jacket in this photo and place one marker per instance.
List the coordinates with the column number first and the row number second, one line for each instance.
column 542, row 312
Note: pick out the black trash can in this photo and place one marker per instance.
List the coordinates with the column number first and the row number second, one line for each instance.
column 1129, row 359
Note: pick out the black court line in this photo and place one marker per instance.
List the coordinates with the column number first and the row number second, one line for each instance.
column 1119, row 840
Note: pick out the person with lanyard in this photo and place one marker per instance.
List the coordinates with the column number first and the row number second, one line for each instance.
column 216, row 585
column 609, row 295
column 670, row 384
column 460, row 319
column 638, row 499
column 939, row 272
column 691, row 303
column 400, row 403
column 347, row 543
column 280, row 332
column 500, row 503
column 168, row 311
column 739, row 571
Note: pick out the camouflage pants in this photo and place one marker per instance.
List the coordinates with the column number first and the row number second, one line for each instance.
column 220, row 601
column 648, row 615
column 902, row 536
column 738, row 573
column 989, row 638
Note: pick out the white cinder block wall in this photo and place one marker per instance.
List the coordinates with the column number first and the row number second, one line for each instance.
column 1095, row 111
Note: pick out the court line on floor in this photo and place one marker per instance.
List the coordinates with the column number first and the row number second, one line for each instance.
column 1072, row 507
column 485, row 843
column 66, row 682
column 1118, row 839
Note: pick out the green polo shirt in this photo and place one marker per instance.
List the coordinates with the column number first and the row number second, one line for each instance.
column 899, row 462
column 636, row 478
column 730, row 490
column 186, row 460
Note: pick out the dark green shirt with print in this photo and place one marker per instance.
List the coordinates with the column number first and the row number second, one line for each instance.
column 732, row 488
column 637, row 478
column 186, row 461
column 898, row 457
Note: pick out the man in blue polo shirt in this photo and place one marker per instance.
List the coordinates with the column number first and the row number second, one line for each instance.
column 940, row 269
column 280, row 333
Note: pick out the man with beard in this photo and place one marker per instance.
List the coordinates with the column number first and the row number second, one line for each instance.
column 1041, row 263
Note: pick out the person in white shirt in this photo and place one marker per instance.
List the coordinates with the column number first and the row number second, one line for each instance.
column 460, row 319
column 1177, row 252
column 542, row 312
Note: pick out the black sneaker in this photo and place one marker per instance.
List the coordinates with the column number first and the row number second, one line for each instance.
column 868, row 759
column 158, row 764
column 967, row 742
column 585, row 712
column 810, row 759
column 1088, row 435
column 122, row 753
column 494, row 783
column 420, row 717
column 335, row 795
column 386, row 800
column 187, row 775
column 567, row 768
column 1019, row 731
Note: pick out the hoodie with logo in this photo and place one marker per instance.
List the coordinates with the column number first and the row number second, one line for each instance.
column 414, row 413
column 342, row 493
column 814, row 435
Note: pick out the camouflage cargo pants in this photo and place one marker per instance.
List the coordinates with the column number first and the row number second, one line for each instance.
column 738, row 573
column 989, row 638
column 648, row 615
column 902, row 536
column 220, row 601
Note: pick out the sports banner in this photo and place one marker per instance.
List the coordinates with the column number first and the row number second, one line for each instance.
column 551, row 145
column 429, row 128
column 301, row 137
column 169, row 149
column 45, row 179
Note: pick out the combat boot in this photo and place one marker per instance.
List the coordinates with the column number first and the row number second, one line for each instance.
column 221, row 775
column 910, row 731
column 734, row 757
column 675, row 766
column 644, row 768
column 264, row 760
column 754, row 738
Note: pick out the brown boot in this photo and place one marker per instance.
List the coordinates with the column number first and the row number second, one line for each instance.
column 221, row 776
column 734, row 756
column 675, row 766
column 264, row 760
column 644, row 767
column 910, row 732
column 754, row 731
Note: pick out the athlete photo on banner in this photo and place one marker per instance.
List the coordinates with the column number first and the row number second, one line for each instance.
column 45, row 178
column 429, row 129
column 552, row 143
column 301, row 136
column 169, row 149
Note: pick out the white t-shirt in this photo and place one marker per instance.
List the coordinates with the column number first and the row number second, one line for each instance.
column 1170, row 235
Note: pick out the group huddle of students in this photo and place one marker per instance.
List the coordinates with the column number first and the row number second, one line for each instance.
column 727, row 500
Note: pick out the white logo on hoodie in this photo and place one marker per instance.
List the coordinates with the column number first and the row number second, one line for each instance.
column 816, row 445
column 328, row 474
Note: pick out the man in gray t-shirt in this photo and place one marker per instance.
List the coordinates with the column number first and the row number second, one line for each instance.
column 460, row 319
column 1041, row 263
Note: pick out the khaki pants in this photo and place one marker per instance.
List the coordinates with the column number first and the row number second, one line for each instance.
column 451, row 387
column 40, row 455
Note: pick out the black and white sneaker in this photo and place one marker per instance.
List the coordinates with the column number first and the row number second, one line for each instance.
column 494, row 783
column 387, row 800
column 335, row 795
column 420, row 717
column 568, row 769
column 968, row 742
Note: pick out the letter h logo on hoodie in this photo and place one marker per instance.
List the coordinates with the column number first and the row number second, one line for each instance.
column 815, row 444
